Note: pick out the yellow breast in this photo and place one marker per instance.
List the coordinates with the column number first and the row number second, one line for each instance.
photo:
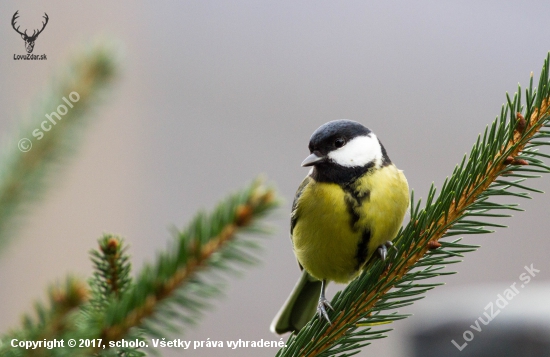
column 333, row 224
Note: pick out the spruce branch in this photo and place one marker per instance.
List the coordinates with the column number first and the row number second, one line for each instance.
column 178, row 285
column 498, row 165
column 33, row 153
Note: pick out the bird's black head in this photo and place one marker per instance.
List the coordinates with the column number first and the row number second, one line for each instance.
column 342, row 150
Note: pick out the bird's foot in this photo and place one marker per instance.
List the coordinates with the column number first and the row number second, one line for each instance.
column 383, row 249
column 322, row 309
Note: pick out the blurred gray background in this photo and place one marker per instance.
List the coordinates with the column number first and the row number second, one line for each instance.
column 213, row 93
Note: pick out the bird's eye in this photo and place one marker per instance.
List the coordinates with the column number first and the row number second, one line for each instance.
column 339, row 142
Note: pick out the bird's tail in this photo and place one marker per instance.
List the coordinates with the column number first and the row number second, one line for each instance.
column 299, row 307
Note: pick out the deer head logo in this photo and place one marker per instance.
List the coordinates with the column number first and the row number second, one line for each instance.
column 29, row 40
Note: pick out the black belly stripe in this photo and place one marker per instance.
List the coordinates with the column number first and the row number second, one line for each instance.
column 351, row 205
column 354, row 199
column 362, row 249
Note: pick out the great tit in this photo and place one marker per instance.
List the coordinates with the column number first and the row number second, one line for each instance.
column 350, row 206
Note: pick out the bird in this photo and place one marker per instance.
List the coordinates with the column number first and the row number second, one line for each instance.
column 349, row 207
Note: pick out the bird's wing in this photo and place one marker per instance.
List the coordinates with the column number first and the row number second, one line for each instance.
column 293, row 213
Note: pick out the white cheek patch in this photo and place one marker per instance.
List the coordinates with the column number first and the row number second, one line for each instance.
column 358, row 152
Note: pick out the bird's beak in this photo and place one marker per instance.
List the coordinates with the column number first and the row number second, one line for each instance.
column 312, row 160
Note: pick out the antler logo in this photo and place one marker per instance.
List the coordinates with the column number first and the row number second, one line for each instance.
column 29, row 40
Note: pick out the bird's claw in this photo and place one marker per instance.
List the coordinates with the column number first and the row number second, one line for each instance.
column 322, row 309
column 382, row 252
column 390, row 245
column 383, row 249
